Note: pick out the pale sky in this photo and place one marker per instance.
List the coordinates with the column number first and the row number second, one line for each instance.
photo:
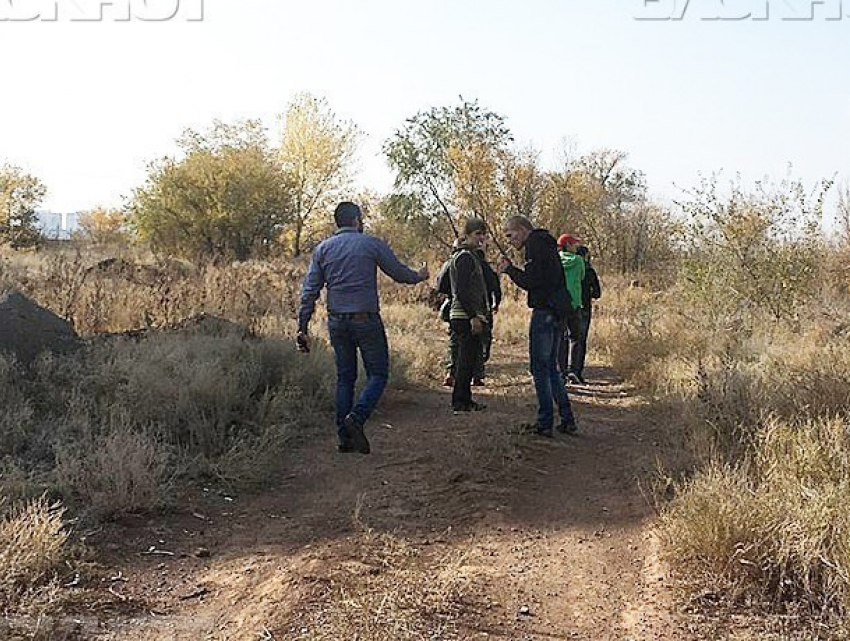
column 86, row 105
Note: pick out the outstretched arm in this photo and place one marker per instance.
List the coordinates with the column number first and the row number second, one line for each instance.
column 394, row 268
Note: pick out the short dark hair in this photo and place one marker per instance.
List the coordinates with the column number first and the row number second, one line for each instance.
column 473, row 225
column 517, row 222
column 346, row 214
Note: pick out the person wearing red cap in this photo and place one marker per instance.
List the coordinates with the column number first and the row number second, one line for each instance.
column 590, row 290
column 573, row 266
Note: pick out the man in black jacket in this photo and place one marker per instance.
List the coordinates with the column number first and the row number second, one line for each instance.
column 494, row 298
column 543, row 279
column 469, row 313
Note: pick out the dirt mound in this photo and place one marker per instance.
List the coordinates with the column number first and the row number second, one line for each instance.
column 27, row 329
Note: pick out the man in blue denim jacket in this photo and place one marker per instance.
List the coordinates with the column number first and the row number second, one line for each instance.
column 347, row 264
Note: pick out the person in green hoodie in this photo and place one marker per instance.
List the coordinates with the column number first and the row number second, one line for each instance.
column 574, row 266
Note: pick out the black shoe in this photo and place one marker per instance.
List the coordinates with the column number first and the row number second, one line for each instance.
column 568, row 427
column 478, row 382
column 345, row 447
column 572, row 379
column 355, row 433
column 472, row 407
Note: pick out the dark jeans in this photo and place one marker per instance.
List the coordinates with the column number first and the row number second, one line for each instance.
column 544, row 339
column 486, row 343
column 578, row 348
column 347, row 337
column 468, row 355
column 486, row 347
column 573, row 345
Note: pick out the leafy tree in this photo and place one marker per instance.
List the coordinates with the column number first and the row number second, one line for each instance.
column 316, row 154
column 226, row 197
column 447, row 166
column 604, row 201
column 753, row 249
column 20, row 195
column 103, row 225
column 396, row 218
column 524, row 182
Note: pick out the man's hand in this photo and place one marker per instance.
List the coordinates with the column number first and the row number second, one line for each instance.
column 303, row 342
column 477, row 325
column 423, row 272
column 494, row 310
column 504, row 263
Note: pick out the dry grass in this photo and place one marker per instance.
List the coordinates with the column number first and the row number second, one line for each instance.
column 763, row 406
column 775, row 528
column 387, row 591
column 124, row 471
column 205, row 398
column 417, row 339
column 32, row 544
column 104, row 425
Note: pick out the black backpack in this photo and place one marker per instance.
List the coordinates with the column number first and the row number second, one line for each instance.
column 444, row 281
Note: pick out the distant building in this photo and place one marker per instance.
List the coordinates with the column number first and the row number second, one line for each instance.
column 57, row 226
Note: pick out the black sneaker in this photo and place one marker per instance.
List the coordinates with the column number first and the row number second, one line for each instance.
column 355, row 432
column 568, row 427
column 345, row 447
column 472, row 407
column 573, row 379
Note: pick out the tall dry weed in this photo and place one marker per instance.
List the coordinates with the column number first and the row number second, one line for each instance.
column 32, row 544
column 774, row 526
column 122, row 472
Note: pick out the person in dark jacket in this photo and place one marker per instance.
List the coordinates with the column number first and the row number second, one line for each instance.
column 494, row 297
column 444, row 286
column 590, row 291
column 469, row 313
column 543, row 279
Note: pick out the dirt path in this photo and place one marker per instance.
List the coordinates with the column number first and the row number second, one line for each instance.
column 454, row 528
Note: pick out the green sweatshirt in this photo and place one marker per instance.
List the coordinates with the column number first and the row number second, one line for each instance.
column 573, row 265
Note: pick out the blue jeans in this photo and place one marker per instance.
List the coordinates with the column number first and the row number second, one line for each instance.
column 347, row 336
column 544, row 339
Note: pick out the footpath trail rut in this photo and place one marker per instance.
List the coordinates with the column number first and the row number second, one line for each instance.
column 453, row 528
